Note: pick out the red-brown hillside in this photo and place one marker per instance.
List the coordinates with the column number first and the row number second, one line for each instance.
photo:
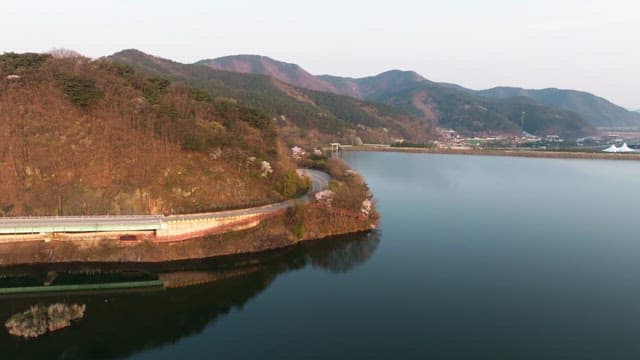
column 93, row 137
column 285, row 72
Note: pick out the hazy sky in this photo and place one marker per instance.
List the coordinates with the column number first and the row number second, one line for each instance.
column 587, row 45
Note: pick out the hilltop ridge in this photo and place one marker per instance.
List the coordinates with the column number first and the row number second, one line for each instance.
column 446, row 105
column 302, row 115
column 257, row 64
column 597, row 110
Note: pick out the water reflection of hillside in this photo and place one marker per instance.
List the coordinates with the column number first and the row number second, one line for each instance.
column 120, row 324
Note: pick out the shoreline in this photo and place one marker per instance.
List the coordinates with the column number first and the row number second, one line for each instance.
column 507, row 153
column 207, row 235
column 270, row 234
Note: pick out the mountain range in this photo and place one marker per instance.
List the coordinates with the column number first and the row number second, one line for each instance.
column 302, row 115
column 596, row 110
column 451, row 107
column 393, row 104
column 405, row 89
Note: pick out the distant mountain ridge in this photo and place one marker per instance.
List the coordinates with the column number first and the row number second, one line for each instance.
column 256, row 64
column 470, row 113
column 498, row 110
column 364, row 88
column 598, row 111
column 392, row 88
column 458, row 108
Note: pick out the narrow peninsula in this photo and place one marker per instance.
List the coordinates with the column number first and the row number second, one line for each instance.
column 105, row 164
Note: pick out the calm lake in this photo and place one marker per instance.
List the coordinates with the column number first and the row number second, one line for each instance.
column 476, row 258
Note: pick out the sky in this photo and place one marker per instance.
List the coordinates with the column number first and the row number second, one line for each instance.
column 586, row 45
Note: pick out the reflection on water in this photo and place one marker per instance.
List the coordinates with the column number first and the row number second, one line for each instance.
column 482, row 257
column 121, row 324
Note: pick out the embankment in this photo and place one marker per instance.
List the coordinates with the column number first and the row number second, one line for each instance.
column 272, row 233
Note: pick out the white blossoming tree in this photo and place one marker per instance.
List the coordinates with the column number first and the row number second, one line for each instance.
column 265, row 168
column 297, row 152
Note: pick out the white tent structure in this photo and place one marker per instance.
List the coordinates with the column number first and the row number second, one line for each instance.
column 622, row 149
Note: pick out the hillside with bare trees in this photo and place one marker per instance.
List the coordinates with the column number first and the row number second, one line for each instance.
column 93, row 137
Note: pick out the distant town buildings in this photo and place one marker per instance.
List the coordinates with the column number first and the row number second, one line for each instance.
column 447, row 133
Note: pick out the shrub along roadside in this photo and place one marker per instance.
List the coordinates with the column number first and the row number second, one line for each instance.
column 293, row 185
column 295, row 218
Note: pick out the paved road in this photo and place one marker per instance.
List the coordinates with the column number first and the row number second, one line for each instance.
column 319, row 182
column 319, row 179
column 51, row 224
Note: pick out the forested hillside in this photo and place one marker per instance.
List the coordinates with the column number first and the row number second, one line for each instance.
column 453, row 108
column 598, row 111
column 95, row 137
column 302, row 115
column 255, row 64
column 434, row 103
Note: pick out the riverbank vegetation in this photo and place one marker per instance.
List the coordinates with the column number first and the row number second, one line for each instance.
column 351, row 191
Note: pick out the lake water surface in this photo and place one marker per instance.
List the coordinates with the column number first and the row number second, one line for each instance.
column 476, row 258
